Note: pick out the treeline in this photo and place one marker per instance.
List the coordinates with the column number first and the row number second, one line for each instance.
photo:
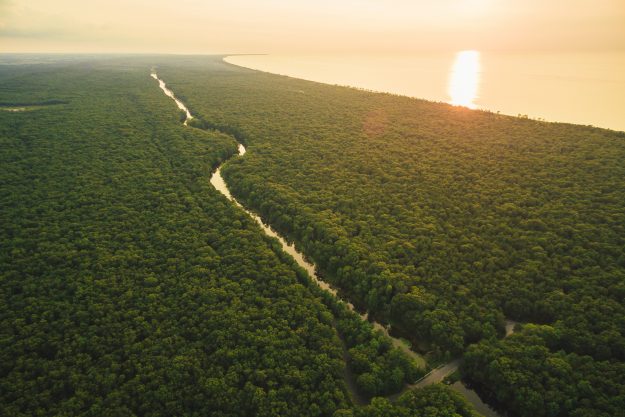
column 438, row 220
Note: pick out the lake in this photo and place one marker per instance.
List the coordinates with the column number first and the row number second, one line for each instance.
column 582, row 88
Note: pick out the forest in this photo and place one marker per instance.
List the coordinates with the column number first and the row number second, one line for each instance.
column 443, row 222
column 129, row 286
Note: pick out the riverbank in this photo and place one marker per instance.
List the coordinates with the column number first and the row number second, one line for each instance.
column 434, row 376
column 220, row 185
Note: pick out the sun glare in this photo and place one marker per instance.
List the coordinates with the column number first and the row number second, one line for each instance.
column 464, row 79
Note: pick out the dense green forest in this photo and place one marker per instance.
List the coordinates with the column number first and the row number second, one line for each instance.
column 443, row 222
column 432, row 401
column 129, row 286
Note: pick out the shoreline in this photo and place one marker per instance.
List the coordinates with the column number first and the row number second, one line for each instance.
column 354, row 87
column 395, row 92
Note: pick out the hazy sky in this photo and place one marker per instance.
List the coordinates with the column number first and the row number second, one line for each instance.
column 309, row 26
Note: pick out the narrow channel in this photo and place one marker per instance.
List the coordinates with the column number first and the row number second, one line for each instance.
column 435, row 376
column 220, row 185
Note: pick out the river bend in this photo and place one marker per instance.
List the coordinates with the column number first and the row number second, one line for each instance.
column 435, row 376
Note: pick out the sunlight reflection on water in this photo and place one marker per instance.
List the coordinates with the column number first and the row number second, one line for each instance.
column 464, row 79
column 572, row 87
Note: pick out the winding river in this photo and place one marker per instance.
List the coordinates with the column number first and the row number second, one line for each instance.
column 434, row 376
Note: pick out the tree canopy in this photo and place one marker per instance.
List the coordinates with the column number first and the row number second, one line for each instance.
column 129, row 286
column 439, row 220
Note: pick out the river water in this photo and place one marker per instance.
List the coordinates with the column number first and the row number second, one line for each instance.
column 179, row 103
column 435, row 376
column 220, row 185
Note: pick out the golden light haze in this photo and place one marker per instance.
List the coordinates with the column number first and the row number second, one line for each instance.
column 320, row 26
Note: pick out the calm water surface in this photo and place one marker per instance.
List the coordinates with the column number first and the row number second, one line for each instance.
column 585, row 88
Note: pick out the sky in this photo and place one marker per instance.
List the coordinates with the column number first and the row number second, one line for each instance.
column 311, row 26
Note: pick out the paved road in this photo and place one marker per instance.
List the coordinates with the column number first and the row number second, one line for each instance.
column 437, row 374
